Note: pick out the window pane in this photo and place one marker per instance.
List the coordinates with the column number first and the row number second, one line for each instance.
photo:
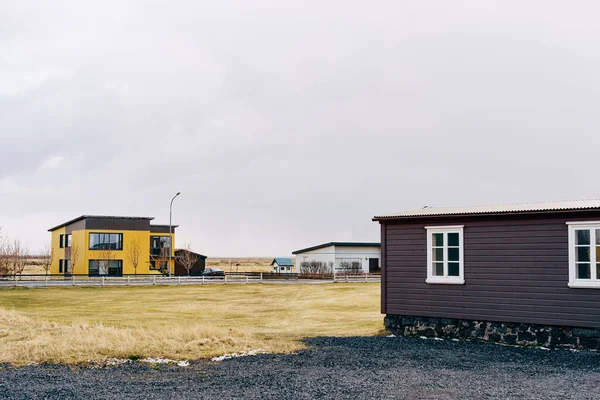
column 453, row 239
column 94, row 268
column 453, row 269
column 597, row 271
column 583, row 271
column 438, row 269
column 583, row 254
column 438, row 239
column 114, row 268
column 598, row 236
column 115, row 241
column 104, row 240
column 438, row 254
column 582, row 237
column 453, row 254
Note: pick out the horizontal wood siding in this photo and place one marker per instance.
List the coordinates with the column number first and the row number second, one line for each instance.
column 161, row 228
column 515, row 271
column 120, row 224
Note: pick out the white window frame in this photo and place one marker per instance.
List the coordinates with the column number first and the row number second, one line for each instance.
column 592, row 283
column 448, row 280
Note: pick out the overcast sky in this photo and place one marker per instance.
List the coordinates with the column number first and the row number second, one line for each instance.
column 286, row 124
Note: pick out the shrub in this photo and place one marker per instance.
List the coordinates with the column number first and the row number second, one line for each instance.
column 315, row 268
column 350, row 267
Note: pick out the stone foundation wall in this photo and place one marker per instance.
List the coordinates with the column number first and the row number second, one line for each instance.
column 503, row 332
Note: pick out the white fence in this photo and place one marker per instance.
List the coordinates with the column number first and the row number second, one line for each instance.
column 357, row 278
column 41, row 281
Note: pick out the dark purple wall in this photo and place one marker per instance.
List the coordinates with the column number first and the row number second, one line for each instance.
column 516, row 270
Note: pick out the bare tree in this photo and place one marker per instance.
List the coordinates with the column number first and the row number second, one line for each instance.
column 46, row 258
column 188, row 257
column 134, row 252
column 5, row 259
column 106, row 255
column 164, row 260
column 74, row 257
column 18, row 257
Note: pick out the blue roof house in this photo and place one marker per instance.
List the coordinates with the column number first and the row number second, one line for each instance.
column 282, row 265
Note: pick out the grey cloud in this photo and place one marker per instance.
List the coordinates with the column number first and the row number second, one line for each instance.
column 286, row 124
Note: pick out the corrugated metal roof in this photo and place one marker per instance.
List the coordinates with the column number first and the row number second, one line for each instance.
column 499, row 208
column 283, row 262
column 95, row 217
column 340, row 244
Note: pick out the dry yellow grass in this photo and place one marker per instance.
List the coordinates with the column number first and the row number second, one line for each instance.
column 242, row 264
column 34, row 266
column 91, row 324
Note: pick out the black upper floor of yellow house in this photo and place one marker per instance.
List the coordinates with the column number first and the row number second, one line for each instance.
column 115, row 226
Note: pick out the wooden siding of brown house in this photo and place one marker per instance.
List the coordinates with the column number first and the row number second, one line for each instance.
column 515, row 270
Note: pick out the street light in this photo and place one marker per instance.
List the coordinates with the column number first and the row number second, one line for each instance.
column 170, row 232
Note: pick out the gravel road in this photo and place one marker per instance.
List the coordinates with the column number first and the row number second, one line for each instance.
column 333, row 368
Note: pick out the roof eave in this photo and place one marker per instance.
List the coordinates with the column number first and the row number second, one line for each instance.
column 95, row 217
column 483, row 214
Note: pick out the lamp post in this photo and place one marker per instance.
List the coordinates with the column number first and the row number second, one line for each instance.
column 170, row 232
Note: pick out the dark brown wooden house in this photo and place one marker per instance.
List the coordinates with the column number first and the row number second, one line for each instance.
column 519, row 273
column 197, row 268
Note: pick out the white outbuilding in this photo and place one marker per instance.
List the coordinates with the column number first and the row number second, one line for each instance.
column 282, row 265
column 342, row 256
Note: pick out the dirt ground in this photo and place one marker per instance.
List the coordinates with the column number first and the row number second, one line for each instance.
column 330, row 368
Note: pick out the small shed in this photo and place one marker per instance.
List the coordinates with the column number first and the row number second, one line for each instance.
column 518, row 273
column 339, row 257
column 180, row 262
column 282, row 265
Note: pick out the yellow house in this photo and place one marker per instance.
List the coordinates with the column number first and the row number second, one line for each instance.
column 111, row 246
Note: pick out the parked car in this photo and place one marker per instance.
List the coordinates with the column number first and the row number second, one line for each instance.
column 213, row 272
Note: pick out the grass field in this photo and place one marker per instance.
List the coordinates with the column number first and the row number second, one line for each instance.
column 92, row 324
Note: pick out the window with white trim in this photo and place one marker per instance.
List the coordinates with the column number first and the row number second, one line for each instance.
column 445, row 254
column 584, row 254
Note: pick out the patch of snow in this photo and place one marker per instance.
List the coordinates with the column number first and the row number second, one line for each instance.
column 455, row 340
column 437, row 338
column 236, row 355
column 116, row 361
column 392, row 335
column 543, row 348
column 181, row 363
column 111, row 362
column 423, row 337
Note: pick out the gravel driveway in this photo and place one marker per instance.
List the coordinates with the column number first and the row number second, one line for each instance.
column 334, row 368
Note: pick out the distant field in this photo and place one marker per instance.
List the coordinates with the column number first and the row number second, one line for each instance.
column 34, row 266
column 83, row 324
column 241, row 264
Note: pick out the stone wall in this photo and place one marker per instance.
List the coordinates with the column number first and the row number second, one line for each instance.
column 503, row 332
